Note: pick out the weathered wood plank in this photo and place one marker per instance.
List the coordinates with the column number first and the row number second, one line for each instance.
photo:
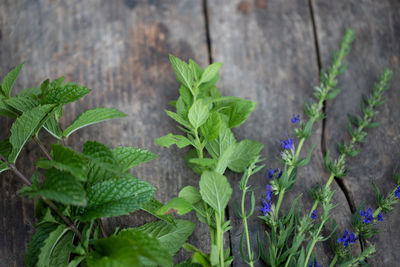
column 269, row 55
column 120, row 50
column 377, row 28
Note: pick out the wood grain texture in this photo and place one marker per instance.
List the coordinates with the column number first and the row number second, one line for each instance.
column 268, row 52
column 120, row 50
column 377, row 29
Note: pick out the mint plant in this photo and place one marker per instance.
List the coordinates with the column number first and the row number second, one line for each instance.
column 74, row 190
column 207, row 118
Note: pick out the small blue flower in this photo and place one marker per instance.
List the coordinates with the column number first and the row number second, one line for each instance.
column 274, row 173
column 314, row 215
column 347, row 238
column 397, row 193
column 368, row 217
column 315, row 264
column 379, row 217
column 287, row 144
column 295, row 119
column 268, row 193
column 266, row 207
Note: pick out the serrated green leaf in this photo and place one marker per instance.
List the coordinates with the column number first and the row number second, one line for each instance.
column 182, row 71
column 3, row 166
column 62, row 187
column 210, row 129
column 210, row 72
column 129, row 157
column 102, row 165
column 63, row 93
column 170, row 237
column 219, row 145
column 224, row 158
column 92, row 116
column 238, row 111
column 245, row 152
column 30, row 91
column 190, row 194
column 196, row 69
column 76, row 261
column 52, row 127
column 32, row 189
column 5, row 148
column 7, row 111
column 173, row 139
column 192, row 153
column 177, row 205
column 22, row 103
column 9, row 79
column 152, row 206
column 62, row 251
column 178, row 118
column 49, row 244
column 116, row 197
column 37, row 242
column 24, row 127
column 66, row 159
column 204, row 162
column 128, row 248
column 198, row 113
column 215, row 190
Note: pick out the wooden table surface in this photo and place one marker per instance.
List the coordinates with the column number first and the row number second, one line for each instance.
column 273, row 51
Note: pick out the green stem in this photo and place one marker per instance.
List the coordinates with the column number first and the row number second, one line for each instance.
column 314, row 241
column 334, row 261
column 246, row 231
column 220, row 239
column 278, row 204
column 198, row 144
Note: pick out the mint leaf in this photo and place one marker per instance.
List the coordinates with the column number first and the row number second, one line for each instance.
column 129, row 157
column 245, row 152
column 5, row 148
column 196, row 70
column 210, row 129
column 172, row 139
column 238, row 111
column 116, row 197
column 210, row 72
column 93, row 116
column 24, row 127
column 62, row 187
column 190, row 194
column 8, row 81
column 62, row 250
column 178, row 118
column 170, row 237
column 30, row 91
column 183, row 72
column 6, row 111
column 204, row 162
column 198, row 113
column 215, row 190
column 3, row 166
column 217, row 146
column 52, row 127
column 152, row 206
column 224, row 158
column 49, row 244
column 63, row 93
column 177, row 205
column 102, row 165
column 128, row 248
column 37, row 242
column 22, row 103
column 66, row 159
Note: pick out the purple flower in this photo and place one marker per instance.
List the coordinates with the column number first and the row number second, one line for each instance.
column 397, row 193
column 379, row 217
column 295, row 119
column 315, row 264
column 274, row 173
column 266, row 207
column 268, row 193
column 314, row 215
column 347, row 238
column 287, row 144
column 368, row 217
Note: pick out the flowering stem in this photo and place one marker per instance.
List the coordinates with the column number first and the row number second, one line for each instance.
column 246, row 231
column 314, row 241
column 278, row 204
column 334, row 261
